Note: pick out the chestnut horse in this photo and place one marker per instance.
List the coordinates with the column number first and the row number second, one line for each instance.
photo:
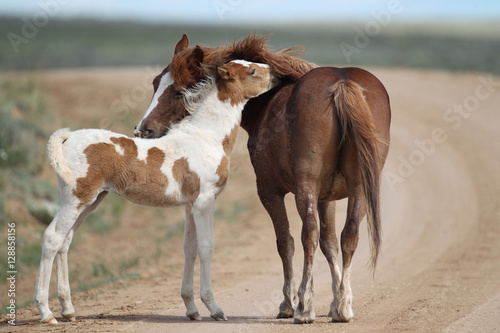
column 323, row 136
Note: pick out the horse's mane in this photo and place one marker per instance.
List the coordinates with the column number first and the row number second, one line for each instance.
column 284, row 64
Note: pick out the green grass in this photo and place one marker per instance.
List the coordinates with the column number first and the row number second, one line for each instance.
column 105, row 281
column 23, row 119
column 85, row 43
column 231, row 215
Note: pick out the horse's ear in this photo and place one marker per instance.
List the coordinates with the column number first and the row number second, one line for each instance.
column 182, row 44
column 223, row 73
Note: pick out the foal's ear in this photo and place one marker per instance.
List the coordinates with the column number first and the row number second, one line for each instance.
column 182, row 44
column 224, row 73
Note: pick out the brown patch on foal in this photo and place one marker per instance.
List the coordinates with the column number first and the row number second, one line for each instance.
column 222, row 172
column 223, row 168
column 190, row 180
column 140, row 181
column 229, row 140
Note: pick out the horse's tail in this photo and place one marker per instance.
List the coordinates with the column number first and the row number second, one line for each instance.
column 56, row 157
column 357, row 124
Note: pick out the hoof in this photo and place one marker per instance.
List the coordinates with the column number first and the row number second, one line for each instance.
column 285, row 314
column 69, row 316
column 50, row 320
column 337, row 318
column 219, row 316
column 304, row 318
column 194, row 316
column 286, row 310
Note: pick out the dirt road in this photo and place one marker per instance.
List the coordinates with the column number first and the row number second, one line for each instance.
column 440, row 263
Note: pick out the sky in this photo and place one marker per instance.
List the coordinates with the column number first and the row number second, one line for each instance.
column 261, row 11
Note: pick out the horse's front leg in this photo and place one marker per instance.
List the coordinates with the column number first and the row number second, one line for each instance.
column 203, row 215
column 275, row 206
column 190, row 253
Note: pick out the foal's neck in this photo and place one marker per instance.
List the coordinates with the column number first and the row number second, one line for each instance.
column 216, row 116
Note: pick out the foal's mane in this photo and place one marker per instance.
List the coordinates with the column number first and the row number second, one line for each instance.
column 284, row 65
column 197, row 93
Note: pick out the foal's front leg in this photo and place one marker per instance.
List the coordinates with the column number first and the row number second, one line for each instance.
column 190, row 253
column 203, row 215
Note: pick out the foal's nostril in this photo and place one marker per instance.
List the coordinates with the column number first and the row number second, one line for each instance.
column 137, row 134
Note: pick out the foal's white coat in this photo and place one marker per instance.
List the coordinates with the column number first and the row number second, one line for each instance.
column 200, row 142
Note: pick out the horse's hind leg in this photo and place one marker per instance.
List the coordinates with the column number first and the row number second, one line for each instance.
column 306, row 205
column 342, row 304
column 275, row 206
column 63, row 287
column 328, row 242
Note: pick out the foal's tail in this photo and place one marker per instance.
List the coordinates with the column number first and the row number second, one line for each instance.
column 56, row 157
column 357, row 123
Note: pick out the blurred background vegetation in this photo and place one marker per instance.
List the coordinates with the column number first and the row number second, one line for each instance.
column 91, row 43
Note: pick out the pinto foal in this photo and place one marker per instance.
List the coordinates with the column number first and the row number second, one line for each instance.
column 189, row 166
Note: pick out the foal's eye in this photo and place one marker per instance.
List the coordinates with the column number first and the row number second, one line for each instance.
column 178, row 93
column 252, row 71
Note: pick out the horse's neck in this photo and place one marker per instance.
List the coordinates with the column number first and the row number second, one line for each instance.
column 259, row 108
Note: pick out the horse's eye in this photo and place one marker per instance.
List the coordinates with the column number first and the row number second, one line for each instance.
column 178, row 93
column 252, row 71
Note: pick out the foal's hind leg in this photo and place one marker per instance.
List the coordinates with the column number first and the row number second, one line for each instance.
column 328, row 242
column 63, row 286
column 53, row 240
column 306, row 205
column 342, row 304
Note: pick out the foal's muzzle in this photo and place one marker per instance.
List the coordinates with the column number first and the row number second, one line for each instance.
column 137, row 133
